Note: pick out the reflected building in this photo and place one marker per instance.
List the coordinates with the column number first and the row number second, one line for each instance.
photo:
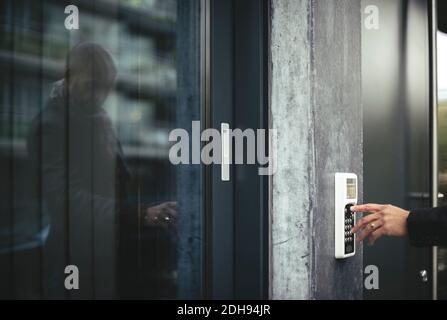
column 142, row 37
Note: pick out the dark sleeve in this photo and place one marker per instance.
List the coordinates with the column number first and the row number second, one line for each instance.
column 63, row 190
column 428, row 227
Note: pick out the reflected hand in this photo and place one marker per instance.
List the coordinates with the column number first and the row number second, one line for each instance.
column 162, row 215
column 384, row 220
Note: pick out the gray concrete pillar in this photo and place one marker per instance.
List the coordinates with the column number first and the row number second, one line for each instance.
column 316, row 108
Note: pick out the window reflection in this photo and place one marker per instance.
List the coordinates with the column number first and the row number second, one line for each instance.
column 442, row 140
column 85, row 116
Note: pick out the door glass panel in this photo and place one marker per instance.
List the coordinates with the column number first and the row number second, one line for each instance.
column 442, row 140
column 91, row 207
column 395, row 90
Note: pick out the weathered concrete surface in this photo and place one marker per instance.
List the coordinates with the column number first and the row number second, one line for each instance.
column 338, row 138
column 291, row 115
column 316, row 107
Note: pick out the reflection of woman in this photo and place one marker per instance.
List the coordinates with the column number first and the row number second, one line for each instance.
column 86, row 185
column 425, row 227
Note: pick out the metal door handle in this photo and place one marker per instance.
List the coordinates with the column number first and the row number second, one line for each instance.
column 423, row 195
column 225, row 161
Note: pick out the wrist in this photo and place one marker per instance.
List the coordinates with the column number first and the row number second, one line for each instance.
column 406, row 215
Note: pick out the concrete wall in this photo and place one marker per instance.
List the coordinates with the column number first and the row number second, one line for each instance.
column 316, row 108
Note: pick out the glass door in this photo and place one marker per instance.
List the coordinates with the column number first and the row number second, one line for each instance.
column 442, row 140
column 91, row 204
column 104, row 193
column 396, row 98
column 440, row 253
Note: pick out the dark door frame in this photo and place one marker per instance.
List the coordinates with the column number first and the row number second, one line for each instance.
column 235, row 62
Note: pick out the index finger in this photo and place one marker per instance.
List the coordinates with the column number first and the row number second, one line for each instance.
column 369, row 207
